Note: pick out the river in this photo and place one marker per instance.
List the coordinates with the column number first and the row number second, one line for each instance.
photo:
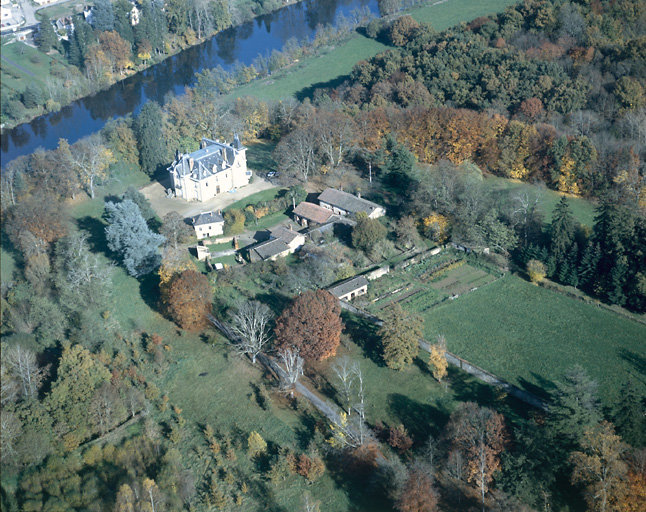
column 236, row 44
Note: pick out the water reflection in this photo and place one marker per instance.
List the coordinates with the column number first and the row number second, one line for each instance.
column 237, row 44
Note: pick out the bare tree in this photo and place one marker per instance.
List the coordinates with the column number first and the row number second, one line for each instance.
column 292, row 367
column 90, row 159
column 310, row 504
column 344, row 370
column 134, row 400
column 251, row 324
column 296, row 153
column 21, row 363
column 10, row 429
column 335, row 132
column 360, row 405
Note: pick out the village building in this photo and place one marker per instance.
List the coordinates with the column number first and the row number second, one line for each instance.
column 208, row 224
column 343, row 203
column 310, row 214
column 215, row 168
column 350, row 288
column 282, row 241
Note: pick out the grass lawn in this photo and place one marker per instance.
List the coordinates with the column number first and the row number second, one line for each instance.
column 582, row 209
column 259, row 156
column 263, row 195
column 444, row 15
column 412, row 396
column 63, row 9
column 22, row 65
column 530, row 336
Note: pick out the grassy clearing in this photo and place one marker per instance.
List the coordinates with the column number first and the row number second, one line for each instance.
column 311, row 71
column 531, row 336
column 444, row 15
column 263, row 195
column 22, row 65
column 64, row 9
column 582, row 209
column 412, row 397
column 259, row 156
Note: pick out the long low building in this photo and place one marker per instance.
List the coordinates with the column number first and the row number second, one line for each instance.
column 343, row 203
column 282, row 241
column 350, row 288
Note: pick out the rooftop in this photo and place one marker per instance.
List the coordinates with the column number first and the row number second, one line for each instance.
column 347, row 202
column 214, row 156
column 287, row 235
column 270, row 248
column 207, row 218
column 347, row 286
column 313, row 212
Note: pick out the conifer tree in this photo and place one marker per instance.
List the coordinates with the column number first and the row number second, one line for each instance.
column 148, row 129
column 46, row 36
column 103, row 15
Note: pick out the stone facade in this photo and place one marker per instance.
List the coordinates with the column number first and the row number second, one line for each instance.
column 214, row 169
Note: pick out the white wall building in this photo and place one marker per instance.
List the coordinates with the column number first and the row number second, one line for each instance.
column 210, row 171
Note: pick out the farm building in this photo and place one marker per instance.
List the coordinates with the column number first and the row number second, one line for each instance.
column 208, row 224
column 350, row 288
column 310, row 214
column 282, row 241
column 342, row 203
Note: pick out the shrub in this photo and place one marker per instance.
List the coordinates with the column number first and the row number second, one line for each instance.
column 256, row 444
column 399, row 439
column 536, row 271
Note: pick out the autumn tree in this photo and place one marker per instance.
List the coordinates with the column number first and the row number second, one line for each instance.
column 256, row 445
column 438, row 360
column 117, row 49
column 418, row 493
column 311, row 323
column 189, row 300
column 251, row 323
column 601, row 467
column 536, row 271
column 479, row 433
column 407, row 234
column 41, row 215
column 400, row 334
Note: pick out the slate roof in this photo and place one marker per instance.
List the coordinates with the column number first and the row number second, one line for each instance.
column 287, row 235
column 206, row 218
column 214, row 157
column 347, row 286
column 313, row 212
column 347, row 202
column 270, row 248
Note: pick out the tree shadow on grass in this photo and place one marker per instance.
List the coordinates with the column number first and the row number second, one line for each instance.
column 364, row 333
column 9, row 248
column 636, row 360
column 149, row 290
column 308, row 92
column 95, row 230
column 265, row 495
column 421, row 420
column 276, row 301
column 541, row 387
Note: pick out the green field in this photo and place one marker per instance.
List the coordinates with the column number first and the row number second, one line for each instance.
column 530, row 336
column 330, row 66
column 582, row 209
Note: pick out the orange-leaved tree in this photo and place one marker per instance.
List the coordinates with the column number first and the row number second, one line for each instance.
column 312, row 323
column 479, row 433
column 188, row 300
column 418, row 494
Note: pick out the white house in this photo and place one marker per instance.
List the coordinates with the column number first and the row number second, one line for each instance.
column 208, row 224
column 342, row 203
column 214, row 169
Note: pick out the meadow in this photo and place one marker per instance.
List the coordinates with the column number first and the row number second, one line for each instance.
column 530, row 336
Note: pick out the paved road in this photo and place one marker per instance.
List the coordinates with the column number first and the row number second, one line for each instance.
column 24, row 70
column 28, row 13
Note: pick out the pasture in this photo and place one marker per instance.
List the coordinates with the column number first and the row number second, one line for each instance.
column 530, row 336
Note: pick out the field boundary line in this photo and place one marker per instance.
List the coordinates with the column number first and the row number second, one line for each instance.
column 463, row 364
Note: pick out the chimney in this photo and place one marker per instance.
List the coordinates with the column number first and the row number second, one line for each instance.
column 191, row 163
column 359, row 195
column 203, row 144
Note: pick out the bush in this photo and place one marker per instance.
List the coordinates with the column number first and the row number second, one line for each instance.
column 233, row 222
column 536, row 271
column 399, row 439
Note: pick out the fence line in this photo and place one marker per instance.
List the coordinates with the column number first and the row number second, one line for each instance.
column 463, row 364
